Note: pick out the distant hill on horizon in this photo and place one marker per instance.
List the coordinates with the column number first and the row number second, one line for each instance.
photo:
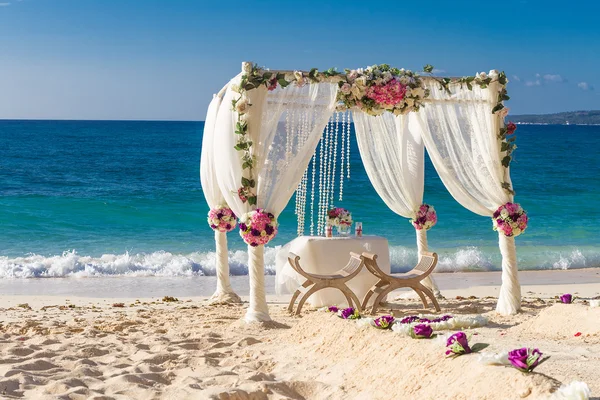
column 564, row 118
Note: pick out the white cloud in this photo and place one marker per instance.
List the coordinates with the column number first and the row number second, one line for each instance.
column 4, row 4
column 554, row 78
column 537, row 82
column 438, row 71
column 516, row 78
column 585, row 86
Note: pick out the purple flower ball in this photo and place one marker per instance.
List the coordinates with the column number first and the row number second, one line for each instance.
column 255, row 232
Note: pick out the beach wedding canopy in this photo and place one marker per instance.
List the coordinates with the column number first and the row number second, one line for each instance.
column 269, row 134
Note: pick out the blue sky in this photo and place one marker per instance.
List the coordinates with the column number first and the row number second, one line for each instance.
column 147, row 59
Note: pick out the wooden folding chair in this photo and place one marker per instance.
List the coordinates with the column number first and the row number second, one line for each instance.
column 411, row 279
column 315, row 282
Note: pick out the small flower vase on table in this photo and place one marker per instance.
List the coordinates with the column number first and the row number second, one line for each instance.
column 341, row 219
column 343, row 230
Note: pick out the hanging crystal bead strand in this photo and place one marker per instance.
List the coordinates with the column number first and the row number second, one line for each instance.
column 348, row 126
column 342, row 165
column 302, row 208
column 335, row 156
column 329, row 166
column 321, row 162
column 323, row 192
column 312, row 192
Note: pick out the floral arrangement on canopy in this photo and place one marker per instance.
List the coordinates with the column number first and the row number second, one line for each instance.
column 510, row 219
column 258, row 227
column 222, row 219
column 425, row 217
column 380, row 88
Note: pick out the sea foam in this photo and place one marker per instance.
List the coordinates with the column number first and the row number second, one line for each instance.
column 163, row 263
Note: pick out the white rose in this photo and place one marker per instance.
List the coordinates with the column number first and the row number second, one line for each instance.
column 352, row 76
column 247, row 67
column 397, row 112
column 493, row 74
column 404, row 80
column 504, row 213
column 417, row 92
column 409, row 102
column 481, row 75
column 301, row 82
column 362, row 81
column 504, row 112
column 235, row 87
column 356, row 92
column 346, row 88
column 298, row 75
column 360, row 71
column 387, row 76
column 242, row 106
column 516, row 232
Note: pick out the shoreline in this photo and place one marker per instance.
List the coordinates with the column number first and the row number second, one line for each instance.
column 585, row 282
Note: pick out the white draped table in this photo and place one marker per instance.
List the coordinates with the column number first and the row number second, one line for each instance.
column 321, row 255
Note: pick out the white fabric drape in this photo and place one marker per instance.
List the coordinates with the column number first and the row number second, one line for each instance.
column 282, row 148
column 460, row 134
column 394, row 158
column 212, row 193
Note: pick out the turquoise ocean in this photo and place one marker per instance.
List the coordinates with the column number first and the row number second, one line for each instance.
column 115, row 198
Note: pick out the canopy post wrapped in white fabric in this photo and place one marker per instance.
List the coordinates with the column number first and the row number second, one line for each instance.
column 258, row 309
column 428, row 282
column 461, row 137
column 394, row 159
column 510, row 291
column 279, row 163
column 212, row 193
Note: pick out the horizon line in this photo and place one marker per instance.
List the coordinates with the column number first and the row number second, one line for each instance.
column 101, row 120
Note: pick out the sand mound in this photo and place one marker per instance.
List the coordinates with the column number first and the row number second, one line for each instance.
column 563, row 322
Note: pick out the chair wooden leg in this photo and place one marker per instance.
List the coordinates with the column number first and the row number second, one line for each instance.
column 371, row 292
column 312, row 290
column 306, row 284
column 351, row 297
column 293, row 300
column 422, row 296
column 381, row 296
column 429, row 294
column 347, row 296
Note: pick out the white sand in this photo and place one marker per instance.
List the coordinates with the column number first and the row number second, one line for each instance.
column 187, row 350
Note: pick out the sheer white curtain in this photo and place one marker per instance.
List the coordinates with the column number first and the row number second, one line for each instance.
column 460, row 134
column 393, row 157
column 212, row 193
column 285, row 126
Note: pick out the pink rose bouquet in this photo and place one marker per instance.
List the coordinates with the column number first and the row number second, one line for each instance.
column 510, row 219
column 258, row 227
column 387, row 95
column 339, row 216
column 425, row 217
column 222, row 219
